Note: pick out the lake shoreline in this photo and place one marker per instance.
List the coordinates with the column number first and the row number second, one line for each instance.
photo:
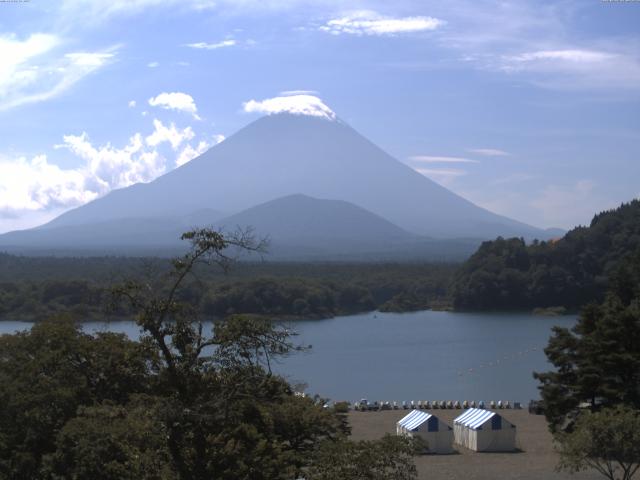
column 537, row 312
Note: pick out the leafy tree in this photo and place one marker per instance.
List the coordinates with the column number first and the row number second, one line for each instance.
column 221, row 406
column 598, row 360
column 390, row 458
column 47, row 374
column 607, row 441
column 128, row 438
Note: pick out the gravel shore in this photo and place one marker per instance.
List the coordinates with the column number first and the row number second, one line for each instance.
column 534, row 460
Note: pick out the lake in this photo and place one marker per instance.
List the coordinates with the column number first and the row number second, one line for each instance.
column 423, row 355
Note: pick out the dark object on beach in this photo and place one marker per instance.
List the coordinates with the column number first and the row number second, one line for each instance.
column 536, row 407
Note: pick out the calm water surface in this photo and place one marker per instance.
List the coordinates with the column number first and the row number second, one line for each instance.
column 410, row 356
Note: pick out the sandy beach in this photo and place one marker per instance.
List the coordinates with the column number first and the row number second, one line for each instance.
column 535, row 459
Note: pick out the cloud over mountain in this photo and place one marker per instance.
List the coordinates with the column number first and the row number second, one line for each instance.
column 296, row 104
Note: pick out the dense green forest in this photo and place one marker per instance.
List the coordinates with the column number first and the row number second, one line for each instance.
column 33, row 288
column 569, row 272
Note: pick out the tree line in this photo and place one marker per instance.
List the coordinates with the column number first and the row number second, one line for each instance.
column 82, row 287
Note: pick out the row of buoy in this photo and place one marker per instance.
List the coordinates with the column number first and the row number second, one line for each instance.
column 495, row 363
column 364, row 405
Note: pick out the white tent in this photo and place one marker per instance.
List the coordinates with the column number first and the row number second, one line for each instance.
column 484, row 431
column 437, row 434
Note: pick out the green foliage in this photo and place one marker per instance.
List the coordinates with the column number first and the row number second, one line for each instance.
column 387, row 459
column 598, row 360
column 36, row 288
column 47, row 374
column 111, row 442
column 569, row 272
column 607, row 441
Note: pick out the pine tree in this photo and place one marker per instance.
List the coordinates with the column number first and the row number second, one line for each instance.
column 598, row 360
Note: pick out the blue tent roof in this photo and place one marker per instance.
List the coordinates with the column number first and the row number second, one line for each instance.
column 474, row 418
column 414, row 419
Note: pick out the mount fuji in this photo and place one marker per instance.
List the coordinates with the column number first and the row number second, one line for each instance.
column 276, row 156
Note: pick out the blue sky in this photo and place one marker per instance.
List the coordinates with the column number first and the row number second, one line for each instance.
column 531, row 109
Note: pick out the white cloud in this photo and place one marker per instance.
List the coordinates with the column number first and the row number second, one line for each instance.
column 576, row 68
column 170, row 134
column 31, row 72
column 176, row 101
column 440, row 159
column 289, row 93
column 372, row 23
column 36, row 184
column 537, row 42
column 295, row 104
column 108, row 167
column 85, row 59
column 212, row 46
column 489, row 152
column 189, row 152
column 132, row 103
column 15, row 55
column 153, row 64
column 576, row 56
column 33, row 191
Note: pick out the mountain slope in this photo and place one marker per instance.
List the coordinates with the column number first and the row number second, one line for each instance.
column 285, row 154
column 299, row 225
column 305, row 220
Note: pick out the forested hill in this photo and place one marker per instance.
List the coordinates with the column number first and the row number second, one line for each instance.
column 569, row 272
